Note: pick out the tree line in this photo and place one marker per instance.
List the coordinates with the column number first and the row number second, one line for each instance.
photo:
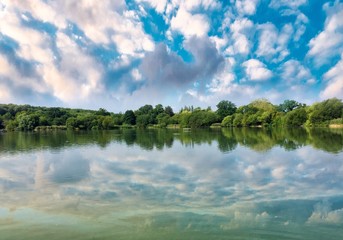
column 260, row 112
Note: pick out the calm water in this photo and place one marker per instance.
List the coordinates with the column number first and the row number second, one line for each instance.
column 164, row 184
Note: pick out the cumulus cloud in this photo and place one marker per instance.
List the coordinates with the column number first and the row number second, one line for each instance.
column 323, row 213
column 256, row 70
column 334, row 78
column 163, row 67
column 293, row 72
column 184, row 19
column 102, row 22
column 329, row 42
column 246, row 7
column 222, row 83
column 287, row 3
column 61, row 76
column 159, row 5
column 273, row 44
column 300, row 23
column 77, row 72
column 241, row 29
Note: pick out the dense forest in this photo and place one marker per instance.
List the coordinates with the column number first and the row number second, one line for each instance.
column 257, row 113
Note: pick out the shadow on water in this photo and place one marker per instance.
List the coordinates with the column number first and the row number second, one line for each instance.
column 227, row 139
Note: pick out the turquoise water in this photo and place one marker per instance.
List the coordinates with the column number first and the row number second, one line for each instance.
column 171, row 184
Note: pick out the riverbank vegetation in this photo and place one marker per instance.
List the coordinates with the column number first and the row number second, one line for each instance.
column 258, row 113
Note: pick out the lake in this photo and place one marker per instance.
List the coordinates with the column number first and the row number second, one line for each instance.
column 172, row 184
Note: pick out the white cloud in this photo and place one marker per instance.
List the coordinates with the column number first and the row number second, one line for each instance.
column 77, row 72
column 240, row 29
column 246, row 7
column 324, row 214
column 300, row 25
column 328, row 43
column 219, row 42
column 334, row 87
column 39, row 10
column 132, row 40
column 190, row 25
column 12, row 79
column 103, row 22
column 159, row 5
column 137, row 76
column 256, row 70
column 222, row 83
column 32, row 43
column 293, row 72
column 192, row 5
column 287, row 3
column 272, row 43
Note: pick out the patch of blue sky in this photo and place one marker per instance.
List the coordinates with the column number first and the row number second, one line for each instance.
column 7, row 44
column 104, row 54
column 115, row 77
column 176, row 45
column 8, row 47
column 75, row 33
column 154, row 25
column 28, row 21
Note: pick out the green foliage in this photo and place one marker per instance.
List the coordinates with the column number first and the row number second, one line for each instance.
column 325, row 111
column 228, row 121
column 143, row 120
column 11, row 125
column 225, row 108
column 296, row 117
column 278, row 119
column 238, row 120
column 129, row 117
column 102, row 112
column 72, row 123
column 262, row 105
column 258, row 113
column 289, row 105
column 168, row 110
column 202, row 118
column 27, row 122
column 163, row 119
column 118, row 119
column 184, row 118
column 107, row 122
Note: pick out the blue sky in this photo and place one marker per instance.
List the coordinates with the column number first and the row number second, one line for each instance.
column 124, row 54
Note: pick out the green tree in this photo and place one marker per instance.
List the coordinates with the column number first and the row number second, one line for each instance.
column 118, row 118
column 228, row 121
column 168, row 110
column 107, row 122
column 129, row 117
column 102, row 112
column 11, row 125
column 326, row 110
column 143, row 120
column 225, row 108
column 289, row 105
column 238, row 120
column 163, row 119
column 72, row 123
column 262, row 104
column 296, row 117
column 27, row 122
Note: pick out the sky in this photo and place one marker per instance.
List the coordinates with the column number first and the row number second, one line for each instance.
column 121, row 55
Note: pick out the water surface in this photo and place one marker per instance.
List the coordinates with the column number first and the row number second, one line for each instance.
column 172, row 184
